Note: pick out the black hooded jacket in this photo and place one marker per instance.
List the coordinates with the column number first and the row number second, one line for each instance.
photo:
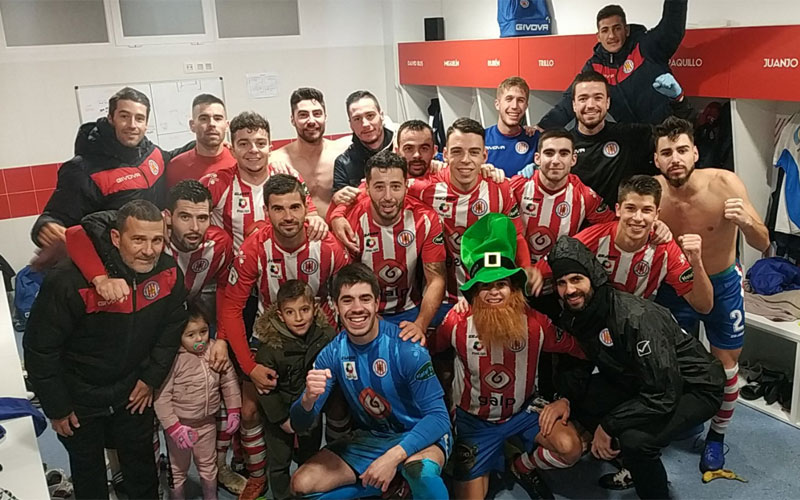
column 349, row 167
column 104, row 175
column 84, row 354
column 636, row 344
column 631, row 71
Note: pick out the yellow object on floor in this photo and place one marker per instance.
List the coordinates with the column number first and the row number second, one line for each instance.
column 711, row 475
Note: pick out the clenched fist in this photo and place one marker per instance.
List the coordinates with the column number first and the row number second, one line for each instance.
column 692, row 245
column 316, row 382
column 734, row 211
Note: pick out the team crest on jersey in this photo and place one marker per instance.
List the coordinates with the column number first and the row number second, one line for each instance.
column 200, row 265
column 309, row 266
column 370, row 244
column 405, row 238
column 350, row 370
column 243, row 205
column 518, row 346
column 445, row 209
column 610, row 149
column 275, row 270
column 498, row 377
column 532, row 209
column 374, row 404
column 524, row 3
column 233, row 276
column 563, row 209
column 211, row 178
column 153, row 166
column 379, row 367
column 605, row 338
column 522, row 147
column 541, row 240
column 390, row 273
column 480, row 207
column 641, row 269
column 150, row 290
column 628, row 66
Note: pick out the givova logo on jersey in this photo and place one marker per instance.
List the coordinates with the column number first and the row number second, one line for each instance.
column 374, row 404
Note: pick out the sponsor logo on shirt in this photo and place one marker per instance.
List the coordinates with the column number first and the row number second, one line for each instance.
column 374, row 404
column 686, row 276
column 643, row 348
column 200, row 265
column 350, row 370
column 370, row 244
column 532, row 209
column 605, row 338
column 439, row 239
column 242, row 205
column 425, row 372
column 150, row 290
column 275, row 270
column 445, row 209
column 129, row 177
column 233, row 277
column 541, row 240
column 610, row 149
column 390, row 274
column 498, row 377
column 379, row 367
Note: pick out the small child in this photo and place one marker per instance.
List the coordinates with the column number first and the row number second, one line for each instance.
column 187, row 403
column 292, row 332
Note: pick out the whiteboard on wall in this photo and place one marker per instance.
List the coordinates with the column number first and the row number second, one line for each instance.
column 170, row 105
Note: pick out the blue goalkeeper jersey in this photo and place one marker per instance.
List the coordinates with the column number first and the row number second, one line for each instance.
column 510, row 154
column 389, row 385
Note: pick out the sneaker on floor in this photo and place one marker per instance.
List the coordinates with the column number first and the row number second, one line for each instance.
column 620, row 480
column 713, row 457
column 533, row 483
column 238, row 466
column 230, row 481
column 254, row 488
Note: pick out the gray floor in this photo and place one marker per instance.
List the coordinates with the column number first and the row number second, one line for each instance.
column 762, row 449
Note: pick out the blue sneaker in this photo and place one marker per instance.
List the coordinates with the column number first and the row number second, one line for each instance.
column 713, row 457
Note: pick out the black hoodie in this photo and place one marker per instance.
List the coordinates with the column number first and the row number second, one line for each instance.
column 84, row 354
column 349, row 167
column 633, row 98
column 636, row 344
column 104, row 175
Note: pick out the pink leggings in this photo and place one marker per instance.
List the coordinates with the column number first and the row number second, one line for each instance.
column 204, row 452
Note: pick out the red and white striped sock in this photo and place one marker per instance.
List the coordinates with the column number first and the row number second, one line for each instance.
column 255, row 450
column 720, row 421
column 541, row 458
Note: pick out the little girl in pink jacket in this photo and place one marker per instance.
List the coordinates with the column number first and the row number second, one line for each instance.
column 187, row 403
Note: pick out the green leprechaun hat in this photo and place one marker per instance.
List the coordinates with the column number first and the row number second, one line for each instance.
column 488, row 249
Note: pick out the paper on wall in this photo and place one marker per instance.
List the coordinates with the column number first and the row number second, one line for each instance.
column 262, row 85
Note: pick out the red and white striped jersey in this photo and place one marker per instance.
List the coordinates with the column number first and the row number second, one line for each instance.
column 236, row 205
column 640, row 272
column 206, row 265
column 460, row 210
column 394, row 252
column 495, row 382
column 546, row 215
column 261, row 261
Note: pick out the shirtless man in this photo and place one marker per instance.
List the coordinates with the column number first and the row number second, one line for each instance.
column 311, row 154
column 714, row 204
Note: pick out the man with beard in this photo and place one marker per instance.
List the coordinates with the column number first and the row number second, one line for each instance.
column 635, row 62
column 497, row 342
column 270, row 256
column 509, row 145
column 312, row 155
column 712, row 203
column 554, row 201
column 396, row 235
column 94, row 363
column 654, row 381
column 393, row 394
column 209, row 124
column 369, row 137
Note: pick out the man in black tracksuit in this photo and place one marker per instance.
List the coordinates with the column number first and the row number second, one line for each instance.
column 630, row 57
column 94, row 363
column 654, row 381
column 369, row 137
column 114, row 163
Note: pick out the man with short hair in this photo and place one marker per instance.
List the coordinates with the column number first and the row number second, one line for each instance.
column 312, row 155
column 209, row 123
column 238, row 192
column 634, row 61
column 555, row 202
column 464, row 197
column 95, row 386
column 114, row 163
column 369, row 136
column 396, row 235
column 713, row 204
column 497, row 342
column 653, row 381
column 392, row 392
column 509, row 145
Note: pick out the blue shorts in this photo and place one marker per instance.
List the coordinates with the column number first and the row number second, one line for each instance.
column 364, row 447
column 411, row 315
column 479, row 444
column 725, row 323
